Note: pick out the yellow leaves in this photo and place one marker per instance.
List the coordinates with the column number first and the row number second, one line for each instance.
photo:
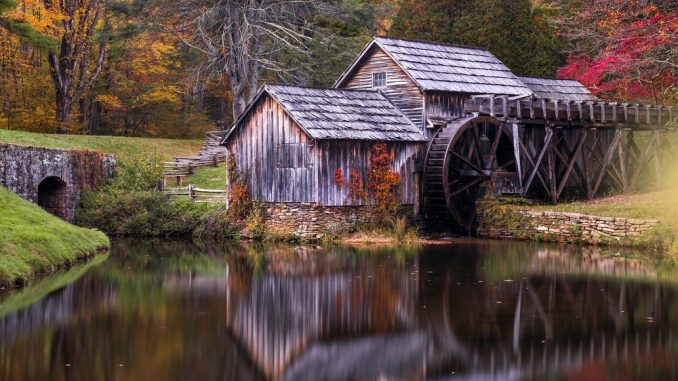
column 150, row 55
column 110, row 101
column 160, row 94
column 34, row 13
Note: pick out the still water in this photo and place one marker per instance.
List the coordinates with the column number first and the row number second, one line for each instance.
column 469, row 310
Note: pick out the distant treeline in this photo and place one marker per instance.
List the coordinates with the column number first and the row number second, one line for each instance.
column 180, row 68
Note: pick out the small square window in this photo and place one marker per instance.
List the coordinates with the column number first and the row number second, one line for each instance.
column 379, row 79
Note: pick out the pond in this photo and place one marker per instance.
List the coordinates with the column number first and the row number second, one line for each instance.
column 467, row 310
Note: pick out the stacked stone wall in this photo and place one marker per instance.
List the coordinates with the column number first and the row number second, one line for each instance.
column 562, row 227
column 315, row 221
column 23, row 168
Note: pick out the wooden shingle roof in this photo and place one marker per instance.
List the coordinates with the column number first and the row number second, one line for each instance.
column 340, row 114
column 443, row 67
column 551, row 88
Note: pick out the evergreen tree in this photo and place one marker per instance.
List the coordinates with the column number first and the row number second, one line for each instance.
column 513, row 30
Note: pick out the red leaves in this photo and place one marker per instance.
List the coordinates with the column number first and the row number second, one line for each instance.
column 381, row 180
column 356, row 188
column 339, row 177
column 633, row 63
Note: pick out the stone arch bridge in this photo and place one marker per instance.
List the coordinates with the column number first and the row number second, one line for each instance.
column 53, row 178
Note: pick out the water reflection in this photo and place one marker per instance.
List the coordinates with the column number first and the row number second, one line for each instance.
column 473, row 310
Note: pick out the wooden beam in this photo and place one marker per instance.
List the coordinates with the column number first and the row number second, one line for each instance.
column 640, row 161
column 537, row 163
column 606, row 161
column 573, row 161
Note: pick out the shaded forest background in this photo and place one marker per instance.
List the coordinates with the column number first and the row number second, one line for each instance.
column 180, row 68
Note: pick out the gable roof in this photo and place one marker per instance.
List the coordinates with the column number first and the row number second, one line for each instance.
column 552, row 88
column 444, row 67
column 339, row 114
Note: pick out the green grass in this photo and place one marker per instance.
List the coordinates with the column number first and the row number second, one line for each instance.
column 15, row 301
column 35, row 242
column 209, row 177
column 125, row 148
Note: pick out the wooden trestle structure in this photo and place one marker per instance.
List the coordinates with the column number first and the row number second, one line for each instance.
column 542, row 148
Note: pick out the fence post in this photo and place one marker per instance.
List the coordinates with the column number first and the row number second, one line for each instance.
column 191, row 193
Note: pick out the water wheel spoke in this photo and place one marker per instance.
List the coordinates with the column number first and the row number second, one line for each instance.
column 467, row 186
column 463, row 159
column 467, row 162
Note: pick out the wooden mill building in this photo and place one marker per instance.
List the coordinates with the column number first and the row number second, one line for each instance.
column 457, row 121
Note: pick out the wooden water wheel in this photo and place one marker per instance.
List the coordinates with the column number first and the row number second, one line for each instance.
column 461, row 158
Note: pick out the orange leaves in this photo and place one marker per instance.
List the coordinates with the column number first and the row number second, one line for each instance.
column 381, row 180
column 339, row 177
column 356, row 188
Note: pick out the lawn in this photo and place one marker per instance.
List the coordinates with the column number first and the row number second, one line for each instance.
column 208, row 177
column 125, row 148
column 35, row 242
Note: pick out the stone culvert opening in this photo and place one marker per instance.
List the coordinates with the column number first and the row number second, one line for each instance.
column 52, row 196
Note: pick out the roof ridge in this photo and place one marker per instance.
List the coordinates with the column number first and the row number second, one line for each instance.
column 322, row 88
column 544, row 77
column 433, row 43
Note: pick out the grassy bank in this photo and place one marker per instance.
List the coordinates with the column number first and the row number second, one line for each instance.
column 208, row 177
column 125, row 148
column 661, row 206
column 35, row 242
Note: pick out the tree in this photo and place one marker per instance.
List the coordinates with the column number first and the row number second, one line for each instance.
column 622, row 50
column 72, row 71
column 241, row 39
column 515, row 31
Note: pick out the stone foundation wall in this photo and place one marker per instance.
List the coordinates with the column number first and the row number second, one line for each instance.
column 314, row 221
column 562, row 227
column 23, row 169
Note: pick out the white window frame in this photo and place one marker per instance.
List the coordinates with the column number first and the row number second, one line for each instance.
column 374, row 79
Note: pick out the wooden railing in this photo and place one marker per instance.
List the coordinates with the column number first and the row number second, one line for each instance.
column 210, row 155
column 555, row 110
column 213, row 196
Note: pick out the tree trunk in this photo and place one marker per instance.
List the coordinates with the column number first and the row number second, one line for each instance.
column 63, row 113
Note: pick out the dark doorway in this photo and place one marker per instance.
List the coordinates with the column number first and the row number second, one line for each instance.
column 52, row 196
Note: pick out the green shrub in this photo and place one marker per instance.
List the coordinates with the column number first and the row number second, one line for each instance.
column 137, row 175
column 141, row 213
column 218, row 226
column 255, row 224
column 129, row 206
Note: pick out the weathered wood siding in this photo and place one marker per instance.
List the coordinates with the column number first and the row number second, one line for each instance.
column 445, row 104
column 354, row 156
column 276, row 154
column 439, row 105
column 400, row 89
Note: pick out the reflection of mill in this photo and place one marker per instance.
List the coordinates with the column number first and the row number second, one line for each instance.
column 339, row 326
column 280, row 318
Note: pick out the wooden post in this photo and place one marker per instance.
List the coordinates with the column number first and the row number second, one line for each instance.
column 551, row 166
column 538, row 161
column 515, row 133
column 622, row 161
column 606, row 161
column 572, row 162
column 191, row 192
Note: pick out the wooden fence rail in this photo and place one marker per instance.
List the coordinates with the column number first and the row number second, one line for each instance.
column 214, row 196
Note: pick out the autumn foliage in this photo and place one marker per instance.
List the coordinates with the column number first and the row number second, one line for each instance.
column 623, row 50
column 356, row 188
column 339, row 177
column 381, row 180
column 239, row 201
